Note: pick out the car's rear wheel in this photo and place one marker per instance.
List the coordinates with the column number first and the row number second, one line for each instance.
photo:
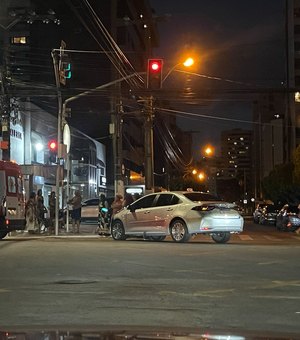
column 3, row 233
column 179, row 231
column 156, row 238
column 221, row 237
column 118, row 231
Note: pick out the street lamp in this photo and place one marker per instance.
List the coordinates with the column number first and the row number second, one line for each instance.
column 208, row 150
column 187, row 63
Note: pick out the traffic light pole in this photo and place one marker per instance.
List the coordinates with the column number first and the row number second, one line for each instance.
column 59, row 133
column 149, row 157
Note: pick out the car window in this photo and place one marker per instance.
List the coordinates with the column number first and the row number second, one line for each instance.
column 144, row 202
column 292, row 209
column 94, row 201
column 166, row 199
column 200, row 196
column 271, row 209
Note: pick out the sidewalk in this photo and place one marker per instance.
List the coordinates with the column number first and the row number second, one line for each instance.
column 62, row 235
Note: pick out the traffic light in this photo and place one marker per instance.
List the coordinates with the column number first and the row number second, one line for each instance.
column 65, row 68
column 154, row 74
column 52, row 147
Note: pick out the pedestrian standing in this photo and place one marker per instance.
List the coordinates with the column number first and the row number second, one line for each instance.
column 117, row 204
column 128, row 199
column 41, row 210
column 31, row 214
column 76, row 211
column 52, row 203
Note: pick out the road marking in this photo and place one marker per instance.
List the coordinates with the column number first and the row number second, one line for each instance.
column 272, row 238
column 277, row 297
column 245, row 237
column 3, row 290
column 217, row 293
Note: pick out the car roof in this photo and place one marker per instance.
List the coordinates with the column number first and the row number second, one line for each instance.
column 186, row 194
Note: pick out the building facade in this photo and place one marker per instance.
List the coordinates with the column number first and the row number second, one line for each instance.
column 237, row 159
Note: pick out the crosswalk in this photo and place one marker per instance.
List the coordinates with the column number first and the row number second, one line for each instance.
column 257, row 237
column 273, row 238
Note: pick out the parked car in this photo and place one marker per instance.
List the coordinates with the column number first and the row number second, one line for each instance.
column 265, row 214
column 89, row 210
column 288, row 219
column 179, row 214
column 268, row 214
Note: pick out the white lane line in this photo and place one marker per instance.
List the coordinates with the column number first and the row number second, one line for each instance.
column 245, row 237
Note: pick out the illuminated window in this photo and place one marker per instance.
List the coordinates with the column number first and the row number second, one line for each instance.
column 19, row 40
column 11, row 181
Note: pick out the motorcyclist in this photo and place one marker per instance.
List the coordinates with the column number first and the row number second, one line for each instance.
column 103, row 221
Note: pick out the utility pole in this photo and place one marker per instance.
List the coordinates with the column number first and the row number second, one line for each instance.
column 118, row 140
column 149, row 154
column 59, row 130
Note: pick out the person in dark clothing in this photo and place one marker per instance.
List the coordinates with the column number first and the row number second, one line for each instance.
column 128, row 199
column 76, row 211
column 41, row 210
column 52, row 203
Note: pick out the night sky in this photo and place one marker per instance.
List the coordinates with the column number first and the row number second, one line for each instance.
column 243, row 41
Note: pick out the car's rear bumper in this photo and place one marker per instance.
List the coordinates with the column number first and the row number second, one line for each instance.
column 211, row 225
column 12, row 224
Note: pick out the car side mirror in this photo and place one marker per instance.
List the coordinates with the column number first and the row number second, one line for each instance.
column 131, row 208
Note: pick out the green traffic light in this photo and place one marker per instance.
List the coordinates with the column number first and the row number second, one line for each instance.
column 68, row 72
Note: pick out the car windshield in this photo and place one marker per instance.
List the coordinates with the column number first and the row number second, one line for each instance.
column 200, row 196
column 271, row 209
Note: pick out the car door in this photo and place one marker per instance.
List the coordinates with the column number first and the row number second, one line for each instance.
column 90, row 210
column 163, row 212
column 138, row 217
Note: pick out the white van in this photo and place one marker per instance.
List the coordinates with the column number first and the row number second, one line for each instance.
column 12, row 198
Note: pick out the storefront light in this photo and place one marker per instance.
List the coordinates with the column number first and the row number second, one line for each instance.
column 39, row 146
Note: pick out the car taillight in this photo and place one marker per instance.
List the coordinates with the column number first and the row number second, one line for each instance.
column 204, row 208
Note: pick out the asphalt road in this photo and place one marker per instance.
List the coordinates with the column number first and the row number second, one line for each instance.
column 251, row 283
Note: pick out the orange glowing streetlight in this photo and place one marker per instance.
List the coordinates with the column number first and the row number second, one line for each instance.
column 201, row 176
column 208, row 150
column 188, row 62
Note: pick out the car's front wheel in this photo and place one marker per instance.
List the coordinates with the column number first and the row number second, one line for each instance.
column 118, row 231
column 179, row 231
column 221, row 237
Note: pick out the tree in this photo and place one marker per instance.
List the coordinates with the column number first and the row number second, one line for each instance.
column 280, row 186
column 296, row 161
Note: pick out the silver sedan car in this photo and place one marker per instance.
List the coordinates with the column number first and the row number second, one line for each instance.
column 179, row 214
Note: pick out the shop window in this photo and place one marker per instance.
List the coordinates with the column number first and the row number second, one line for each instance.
column 19, row 40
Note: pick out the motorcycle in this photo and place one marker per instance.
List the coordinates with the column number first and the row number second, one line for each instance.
column 104, row 221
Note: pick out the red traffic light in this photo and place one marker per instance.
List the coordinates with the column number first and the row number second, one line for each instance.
column 154, row 74
column 155, row 65
column 52, row 145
